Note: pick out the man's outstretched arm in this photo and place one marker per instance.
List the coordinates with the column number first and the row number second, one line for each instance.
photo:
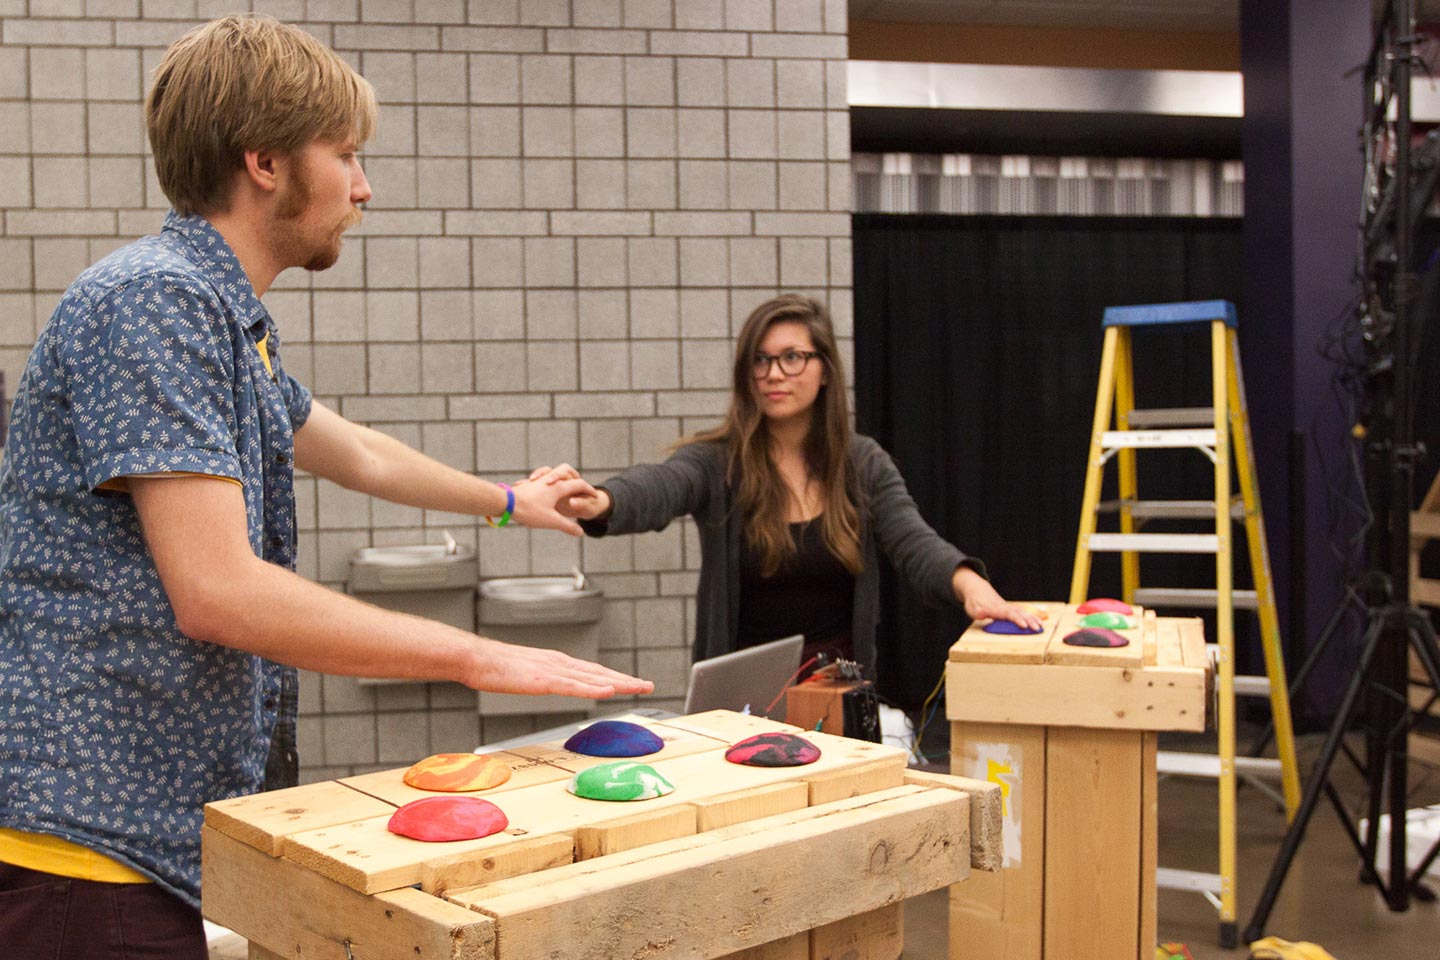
column 359, row 458
column 222, row 593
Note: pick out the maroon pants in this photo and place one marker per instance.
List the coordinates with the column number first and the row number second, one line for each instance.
column 48, row 917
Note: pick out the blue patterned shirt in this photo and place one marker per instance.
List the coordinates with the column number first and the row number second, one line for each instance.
column 116, row 729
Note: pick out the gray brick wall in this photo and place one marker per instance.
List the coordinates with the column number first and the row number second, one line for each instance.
column 576, row 203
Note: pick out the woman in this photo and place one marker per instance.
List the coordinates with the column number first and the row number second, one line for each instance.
column 793, row 508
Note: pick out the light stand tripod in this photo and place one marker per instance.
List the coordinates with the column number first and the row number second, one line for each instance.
column 1377, row 692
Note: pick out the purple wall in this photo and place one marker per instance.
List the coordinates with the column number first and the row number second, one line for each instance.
column 1302, row 194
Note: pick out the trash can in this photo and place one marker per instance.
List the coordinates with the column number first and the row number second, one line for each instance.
column 562, row 613
column 436, row 581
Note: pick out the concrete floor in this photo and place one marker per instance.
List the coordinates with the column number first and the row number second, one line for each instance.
column 1321, row 901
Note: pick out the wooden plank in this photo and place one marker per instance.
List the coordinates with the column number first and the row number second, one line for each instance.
column 636, row 830
column 1000, row 914
column 1169, row 652
column 874, row 935
column 1424, row 526
column 987, row 845
column 1430, row 503
column 727, row 725
column 1192, row 643
column 597, row 867
column 258, row 952
column 793, row 947
column 879, row 774
column 1092, row 843
column 366, row 856
column 1149, row 631
column 1059, row 653
column 1150, row 699
column 1149, row 845
column 766, row 801
column 298, row 915
column 390, row 785
column 877, row 850
column 263, row 820
column 526, row 855
column 977, row 645
column 1417, row 669
column 1426, row 592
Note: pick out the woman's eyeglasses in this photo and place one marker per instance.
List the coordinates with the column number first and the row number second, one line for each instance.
column 792, row 363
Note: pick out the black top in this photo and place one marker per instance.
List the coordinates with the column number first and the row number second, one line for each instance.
column 648, row 496
column 812, row 593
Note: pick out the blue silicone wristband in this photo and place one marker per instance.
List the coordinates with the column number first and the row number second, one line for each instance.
column 509, row 507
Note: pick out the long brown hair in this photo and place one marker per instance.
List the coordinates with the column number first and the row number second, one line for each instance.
column 761, row 493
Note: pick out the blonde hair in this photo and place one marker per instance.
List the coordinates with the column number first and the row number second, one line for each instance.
column 761, row 492
column 246, row 82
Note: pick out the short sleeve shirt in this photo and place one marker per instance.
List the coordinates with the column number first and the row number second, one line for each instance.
column 115, row 728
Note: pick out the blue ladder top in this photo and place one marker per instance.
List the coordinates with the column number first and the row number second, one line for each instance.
column 1153, row 314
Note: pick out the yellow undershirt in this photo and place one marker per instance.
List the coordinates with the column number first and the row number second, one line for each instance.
column 56, row 855
column 51, row 854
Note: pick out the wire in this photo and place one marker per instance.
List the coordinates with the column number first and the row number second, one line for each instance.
column 786, row 685
column 920, row 733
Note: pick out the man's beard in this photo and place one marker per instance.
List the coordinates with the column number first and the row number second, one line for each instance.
column 291, row 207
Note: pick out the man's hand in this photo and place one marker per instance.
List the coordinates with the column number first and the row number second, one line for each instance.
column 508, row 668
column 982, row 602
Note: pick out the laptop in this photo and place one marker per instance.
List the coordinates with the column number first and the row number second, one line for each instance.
column 752, row 677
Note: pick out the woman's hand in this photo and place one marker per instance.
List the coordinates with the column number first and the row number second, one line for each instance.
column 591, row 504
column 546, row 505
column 982, row 602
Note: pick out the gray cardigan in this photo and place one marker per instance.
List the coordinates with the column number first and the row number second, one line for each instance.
column 650, row 495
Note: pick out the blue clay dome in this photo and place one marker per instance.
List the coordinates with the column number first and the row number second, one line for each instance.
column 614, row 738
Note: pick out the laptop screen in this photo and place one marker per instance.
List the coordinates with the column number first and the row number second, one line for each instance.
column 751, row 678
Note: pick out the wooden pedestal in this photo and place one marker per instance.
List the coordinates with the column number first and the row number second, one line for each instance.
column 725, row 866
column 1069, row 735
column 820, row 705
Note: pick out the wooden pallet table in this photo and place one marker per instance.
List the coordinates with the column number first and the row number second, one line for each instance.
column 1424, row 742
column 756, row 863
column 1069, row 734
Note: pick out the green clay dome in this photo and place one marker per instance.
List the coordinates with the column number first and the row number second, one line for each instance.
column 621, row 780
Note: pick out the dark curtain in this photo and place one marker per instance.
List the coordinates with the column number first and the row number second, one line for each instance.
column 977, row 356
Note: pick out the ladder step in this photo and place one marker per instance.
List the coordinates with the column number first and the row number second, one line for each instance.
column 1244, row 686
column 1154, row 542
column 1151, row 314
column 1172, row 417
column 1252, row 687
column 1158, row 439
column 1172, row 509
column 1208, row 765
column 1193, row 598
column 1167, row 878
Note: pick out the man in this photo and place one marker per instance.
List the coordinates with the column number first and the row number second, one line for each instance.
column 147, row 529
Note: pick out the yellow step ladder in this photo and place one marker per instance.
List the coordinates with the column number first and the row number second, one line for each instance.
column 1212, row 431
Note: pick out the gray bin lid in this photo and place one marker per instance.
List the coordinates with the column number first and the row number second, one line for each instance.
column 418, row 567
column 522, row 600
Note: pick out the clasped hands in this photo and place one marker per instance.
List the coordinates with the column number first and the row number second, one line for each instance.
column 555, row 498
